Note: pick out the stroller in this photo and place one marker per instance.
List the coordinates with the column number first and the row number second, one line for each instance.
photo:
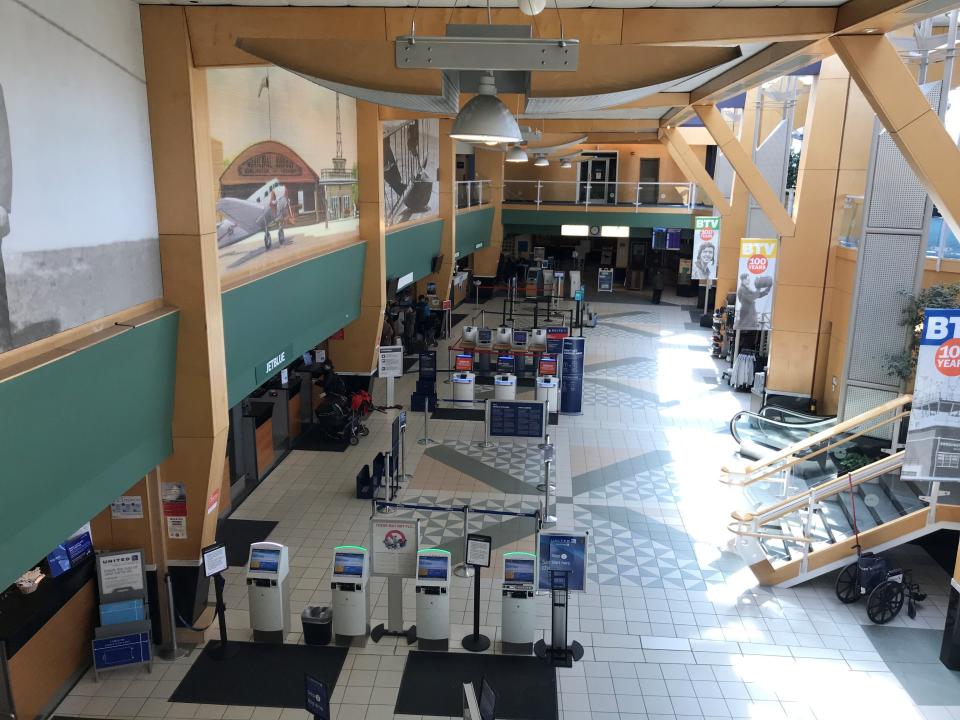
column 342, row 418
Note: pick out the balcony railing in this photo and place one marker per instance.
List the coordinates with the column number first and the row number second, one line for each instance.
column 471, row 193
column 587, row 193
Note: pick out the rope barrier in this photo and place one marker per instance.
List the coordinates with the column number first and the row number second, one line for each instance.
column 462, row 508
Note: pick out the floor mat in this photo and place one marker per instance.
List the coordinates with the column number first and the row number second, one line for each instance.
column 314, row 438
column 237, row 536
column 913, row 656
column 457, row 318
column 524, row 382
column 442, row 413
column 432, row 684
column 260, row 674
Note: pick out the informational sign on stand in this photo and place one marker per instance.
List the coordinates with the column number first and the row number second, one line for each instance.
column 479, row 550
column 605, row 280
column 571, row 375
column 555, row 336
column 706, row 244
column 390, row 364
column 428, row 365
column 394, row 544
column 932, row 450
column 755, row 281
column 214, row 559
column 516, row 418
column 121, row 650
column 120, row 572
column 566, row 553
column 317, row 701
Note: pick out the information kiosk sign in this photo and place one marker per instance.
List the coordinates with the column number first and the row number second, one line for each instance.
column 214, row 559
column 516, row 418
column 120, row 575
column 571, row 382
column 390, row 361
column 394, row 545
column 478, row 550
column 567, row 553
column 605, row 280
column 317, row 701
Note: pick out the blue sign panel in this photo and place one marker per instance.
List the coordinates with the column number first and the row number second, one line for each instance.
column 121, row 650
column 563, row 554
column 578, row 295
column 318, row 698
column 571, row 377
column 510, row 418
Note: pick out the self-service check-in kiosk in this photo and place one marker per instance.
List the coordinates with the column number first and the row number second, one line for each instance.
column 351, row 600
column 505, row 382
column 464, row 381
column 537, row 342
column 503, row 338
column 484, row 346
column 534, row 279
column 268, row 591
column 518, row 602
column 574, row 283
column 432, row 586
column 548, row 385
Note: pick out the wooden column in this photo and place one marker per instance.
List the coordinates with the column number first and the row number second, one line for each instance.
column 489, row 165
column 802, row 263
column 447, row 168
column 748, row 172
column 357, row 352
column 895, row 97
column 183, row 174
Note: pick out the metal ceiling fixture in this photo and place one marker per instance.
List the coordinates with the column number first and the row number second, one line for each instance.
column 565, row 164
column 485, row 118
column 516, row 154
column 541, row 161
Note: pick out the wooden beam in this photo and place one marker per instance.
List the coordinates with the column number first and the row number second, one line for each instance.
column 691, row 167
column 746, row 170
column 895, row 97
column 674, row 26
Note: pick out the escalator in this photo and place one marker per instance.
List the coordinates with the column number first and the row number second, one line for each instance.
column 774, row 428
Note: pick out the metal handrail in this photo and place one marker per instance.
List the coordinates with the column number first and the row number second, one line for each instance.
column 788, row 457
column 690, row 202
column 472, row 199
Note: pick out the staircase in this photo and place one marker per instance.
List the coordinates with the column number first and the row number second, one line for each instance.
column 813, row 530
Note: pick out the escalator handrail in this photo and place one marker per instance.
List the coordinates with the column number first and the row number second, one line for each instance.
column 827, row 489
column 805, row 417
column 785, row 456
column 761, row 419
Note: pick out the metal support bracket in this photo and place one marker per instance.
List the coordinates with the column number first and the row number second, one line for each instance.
column 473, row 53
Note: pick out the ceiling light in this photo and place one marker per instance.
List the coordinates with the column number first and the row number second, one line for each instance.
column 517, row 154
column 485, row 119
column 491, row 143
column 870, row 31
column 541, row 161
column 532, row 7
column 566, row 164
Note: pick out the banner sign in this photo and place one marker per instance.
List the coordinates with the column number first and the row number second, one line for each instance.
column 933, row 439
column 516, row 418
column 555, row 336
column 571, row 375
column 755, row 280
column 706, row 247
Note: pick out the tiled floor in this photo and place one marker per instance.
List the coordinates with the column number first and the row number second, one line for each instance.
column 673, row 624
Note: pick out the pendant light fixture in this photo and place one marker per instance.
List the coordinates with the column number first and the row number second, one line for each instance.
column 516, row 154
column 541, row 161
column 485, row 119
column 566, row 164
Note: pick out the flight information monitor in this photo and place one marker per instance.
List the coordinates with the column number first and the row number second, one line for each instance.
column 433, row 567
column 505, row 364
column 463, row 362
column 520, row 338
column 348, row 564
column 547, row 366
column 264, row 560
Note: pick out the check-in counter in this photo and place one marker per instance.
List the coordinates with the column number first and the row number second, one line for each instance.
column 257, row 431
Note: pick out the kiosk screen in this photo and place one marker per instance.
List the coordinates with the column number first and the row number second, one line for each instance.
column 264, row 560
column 350, row 564
column 432, row 567
column 519, row 337
column 518, row 571
column 463, row 363
column 484, row 336
column 505, row 364
column 548, row 366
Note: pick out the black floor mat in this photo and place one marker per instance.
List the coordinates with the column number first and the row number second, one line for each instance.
column 432, row 684
column 457, row 318
column 442, row 413
column 260, row 674
column 237, row 536
column 314, row 438
column 524, row 382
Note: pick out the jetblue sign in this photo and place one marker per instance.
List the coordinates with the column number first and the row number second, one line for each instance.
column 275, row 364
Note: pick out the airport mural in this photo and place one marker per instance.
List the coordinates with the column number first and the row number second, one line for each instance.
column 78, row 225
column 284, row 155
column 411, row 153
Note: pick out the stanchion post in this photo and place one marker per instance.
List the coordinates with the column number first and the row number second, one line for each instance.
column 548, row 516
column 403, row 449
column 173, row 652
column 426, row 439
column 462, row 569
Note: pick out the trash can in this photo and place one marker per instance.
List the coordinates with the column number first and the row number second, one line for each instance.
column 317, row 625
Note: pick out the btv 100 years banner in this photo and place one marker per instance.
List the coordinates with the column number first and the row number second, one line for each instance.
column 755, row 280
column 933, row 441
column 706, row 248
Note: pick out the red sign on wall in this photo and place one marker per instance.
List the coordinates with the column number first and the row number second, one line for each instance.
column 338, row 335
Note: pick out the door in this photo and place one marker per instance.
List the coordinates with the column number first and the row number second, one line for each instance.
column 599, row 174
column 649, row 176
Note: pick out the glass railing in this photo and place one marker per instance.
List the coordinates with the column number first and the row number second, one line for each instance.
column 471, row 193
column 635, row 195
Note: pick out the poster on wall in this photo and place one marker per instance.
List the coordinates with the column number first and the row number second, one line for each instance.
column 755, row 281
column 411, row 153
column 932, row 451
column 285, row 165
column 78, row 219
column 706, row 245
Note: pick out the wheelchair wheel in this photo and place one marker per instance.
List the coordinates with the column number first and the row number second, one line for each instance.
column 885, row 602
column 364, row 430
column 354, row 439
column 847, row 587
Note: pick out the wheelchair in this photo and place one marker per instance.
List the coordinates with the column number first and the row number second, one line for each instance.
column 886, row 588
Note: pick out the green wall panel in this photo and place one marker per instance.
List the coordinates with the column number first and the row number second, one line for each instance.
column 291, row 310
column 473, row 230
column 77, row 433
column 412, row 249
column 549, row 221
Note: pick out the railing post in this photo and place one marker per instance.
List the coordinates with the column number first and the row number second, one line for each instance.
column 636, row 204
column 469, row 194
column 539, row 186
column 586, row 197
column 693, row 196
column 804, row 562
column 480, row 193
